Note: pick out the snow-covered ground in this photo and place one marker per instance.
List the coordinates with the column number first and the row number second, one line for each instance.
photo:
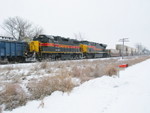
column 127, row 93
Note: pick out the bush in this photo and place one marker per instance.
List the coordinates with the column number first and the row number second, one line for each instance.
column 47, row 85
column 13, row 96
column 77, row 72
column 111, row 70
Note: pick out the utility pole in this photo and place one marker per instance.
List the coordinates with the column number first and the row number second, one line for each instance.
column 123, row 40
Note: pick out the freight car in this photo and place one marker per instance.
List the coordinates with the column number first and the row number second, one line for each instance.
column 11, row 50
column 113, row 53
column 126, row 50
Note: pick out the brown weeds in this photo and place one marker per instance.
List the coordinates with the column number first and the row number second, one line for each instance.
column 12, row 96
column 111, row 70
column 47, row 85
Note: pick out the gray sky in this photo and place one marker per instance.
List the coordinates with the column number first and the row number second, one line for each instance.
column 103, row 21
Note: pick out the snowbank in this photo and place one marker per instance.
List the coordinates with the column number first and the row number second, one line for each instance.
column 128, row 93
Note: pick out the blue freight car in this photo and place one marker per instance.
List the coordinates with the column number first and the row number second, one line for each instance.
column 12, row 50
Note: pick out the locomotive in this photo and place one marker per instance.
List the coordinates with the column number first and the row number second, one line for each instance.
column 56, row 47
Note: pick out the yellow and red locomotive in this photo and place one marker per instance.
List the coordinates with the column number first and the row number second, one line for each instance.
column 56, row 47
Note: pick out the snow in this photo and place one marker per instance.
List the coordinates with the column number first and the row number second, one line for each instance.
column 129, row 92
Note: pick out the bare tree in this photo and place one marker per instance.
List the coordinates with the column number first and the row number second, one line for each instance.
column 141, row 49
column 78, row 36
column 145, row 51
column 38, row 30
column 20, row 29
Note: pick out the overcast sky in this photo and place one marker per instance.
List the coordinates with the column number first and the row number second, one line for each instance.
column 103, row 21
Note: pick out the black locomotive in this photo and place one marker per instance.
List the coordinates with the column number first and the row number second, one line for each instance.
column 56, row 47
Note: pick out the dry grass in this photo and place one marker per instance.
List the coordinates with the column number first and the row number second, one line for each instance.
column 111, row 70
column 1, row 109
column 47, row 85
column 93, row 70
column 77, row 72
column 99, row 68
column 63, row 72
column 44, row 65
column 12, row 96
column 40, row 68
column 135, row 61
column 7, row 69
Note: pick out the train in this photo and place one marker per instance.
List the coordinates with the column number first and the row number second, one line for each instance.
column 57, row 47
column 49, row 47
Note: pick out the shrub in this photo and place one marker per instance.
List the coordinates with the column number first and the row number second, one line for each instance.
column 47, row 85
column 13, row 96
column 111, row 70
column 76, row 72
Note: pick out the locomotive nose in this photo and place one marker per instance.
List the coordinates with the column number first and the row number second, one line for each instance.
column 34, row 46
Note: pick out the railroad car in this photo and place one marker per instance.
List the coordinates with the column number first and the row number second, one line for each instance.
column 113, row 53
column 126, row 50
column 12, row 50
